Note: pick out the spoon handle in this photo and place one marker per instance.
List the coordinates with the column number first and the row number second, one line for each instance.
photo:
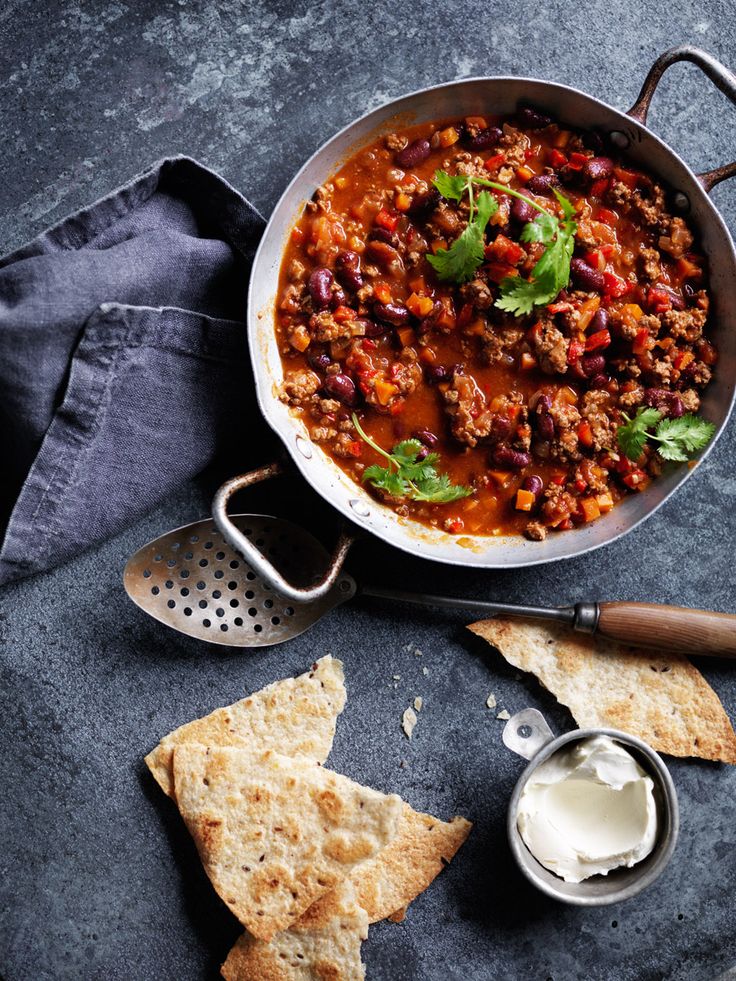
column 671, row 628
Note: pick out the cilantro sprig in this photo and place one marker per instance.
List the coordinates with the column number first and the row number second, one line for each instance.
column 677, row 439
column 459, row 263
column 407, row 475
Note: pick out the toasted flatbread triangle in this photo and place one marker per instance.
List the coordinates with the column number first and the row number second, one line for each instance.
column 324, row 943
column 295, row 717
column 407, row 865
column 275, row 833
column 658, row 696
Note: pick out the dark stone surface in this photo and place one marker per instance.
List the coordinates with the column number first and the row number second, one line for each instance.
column 99, row 878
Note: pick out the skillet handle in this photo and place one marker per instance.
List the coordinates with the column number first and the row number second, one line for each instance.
column 721, row 77
column 255, row 557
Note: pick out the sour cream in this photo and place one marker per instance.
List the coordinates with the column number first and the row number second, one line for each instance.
column 588, row 809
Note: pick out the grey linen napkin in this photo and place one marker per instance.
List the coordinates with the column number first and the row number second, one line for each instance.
column 123, row 360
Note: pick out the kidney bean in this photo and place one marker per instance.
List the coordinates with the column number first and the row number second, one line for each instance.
column 386, row 255
column 413, row 154
column 598, row 168
column 504, row 456
column 320, row 287
column 485, row 139
column 319, row 360
column 535, row 485
column 347, row 265
column 391, row 313
column 531, row 118
column 542, row 183
column 545, row 426
column 383, row 235
column 501, row 428
column 436, row 373
column 599, row 321
column 522, row 211
column 669, row 403
column 592, row 365
column 426, row 201
column 599, row 381
column 587, row 278
column 338, row 297
column 342, row 388
column 428, row 438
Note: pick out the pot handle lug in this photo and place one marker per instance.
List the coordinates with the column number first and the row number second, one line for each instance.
column 721, row 77
column 262, row 566
column 526, row 733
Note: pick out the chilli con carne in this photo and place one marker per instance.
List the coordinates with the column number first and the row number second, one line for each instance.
column 503, row 309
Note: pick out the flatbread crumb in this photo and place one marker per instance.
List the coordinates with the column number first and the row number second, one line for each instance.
column 491, row 701
column 503, row 714
column 425, row 671
column 396, row 677
column 418, row 702
column 408, row 721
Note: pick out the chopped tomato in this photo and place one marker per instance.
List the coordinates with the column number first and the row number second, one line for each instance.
column 355, row 448
column 498, row 271
column 503, row 249
column 454, row 525
column 628, row 177
column 614, row 285
column 386, row 219
column 597, row 341
column 599, row 188
column 607, row 216
column 577, row 161
column 342, row 314
column 585, row 434
column 495, row 161
column 557, row 159
column 658, row 299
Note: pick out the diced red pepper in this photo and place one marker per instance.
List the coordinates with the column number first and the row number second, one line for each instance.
column 641, row 342
column 636, row 480
column 386, row 219
column 495, row 161
column 614, row 285
column 530, row 154
column 628, row 177
column 455, row 525
column 498, row 271
column 342, row 314
column 355, row 448
column 368, row 345
column 503, row 249
column 658, row 299
column 597, row 341
column 599, row 188
column 557, row 159
column 683, row 359
column 575, row 352
column 558, row 478
column 607, row 216
column 577, row 161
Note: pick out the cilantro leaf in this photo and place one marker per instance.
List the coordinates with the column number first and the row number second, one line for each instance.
column 409, row 475
column 568, row 208
column 459, row 262
column 633, row 434
column 542, row 229
column 450, row 187
column 678, row 438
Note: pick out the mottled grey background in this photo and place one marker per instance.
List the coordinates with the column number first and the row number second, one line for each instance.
column 99, row 879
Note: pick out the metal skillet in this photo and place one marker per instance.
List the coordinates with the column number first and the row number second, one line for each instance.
column 625, row 130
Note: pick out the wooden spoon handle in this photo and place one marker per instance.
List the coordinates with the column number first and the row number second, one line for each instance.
column 672, row 628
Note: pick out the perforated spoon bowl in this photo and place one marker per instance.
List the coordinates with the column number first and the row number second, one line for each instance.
column 193, row 580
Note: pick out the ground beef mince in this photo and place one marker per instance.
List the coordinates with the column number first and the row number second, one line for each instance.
column 508, row 402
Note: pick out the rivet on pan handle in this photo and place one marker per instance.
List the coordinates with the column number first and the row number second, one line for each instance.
column 255, row 557
column 721, row 77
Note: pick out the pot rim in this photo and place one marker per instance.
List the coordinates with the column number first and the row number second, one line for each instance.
column 265, row 399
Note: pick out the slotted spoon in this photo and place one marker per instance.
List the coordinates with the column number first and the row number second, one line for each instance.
column 191, row 579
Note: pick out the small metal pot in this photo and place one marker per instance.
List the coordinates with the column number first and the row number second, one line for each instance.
column 528, row 735
column 471, row 97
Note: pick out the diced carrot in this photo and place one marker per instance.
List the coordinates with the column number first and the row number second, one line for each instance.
column 418, row 285
column 585, row 434
column 382, row 292
column 687, row 269
column 499, row 477
column 476, row 328
column 498, row 271
column 636, row 480
column 503, row 249
column 385, row 391
column 632, row 311
column 492, row 163
column 683, row 359
column 402, row 202
column 299, row 338
column 524, row 174
column 605, row 502
column 420, row 306
column 588, row 310
column 405, row 335
column 342, row 314
column 528, row 361
column 448, row 136
column 568, row 395
column 437, row 244
column 446, row 317
column 428, row 355
column 589, row 507
column 525, row 500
